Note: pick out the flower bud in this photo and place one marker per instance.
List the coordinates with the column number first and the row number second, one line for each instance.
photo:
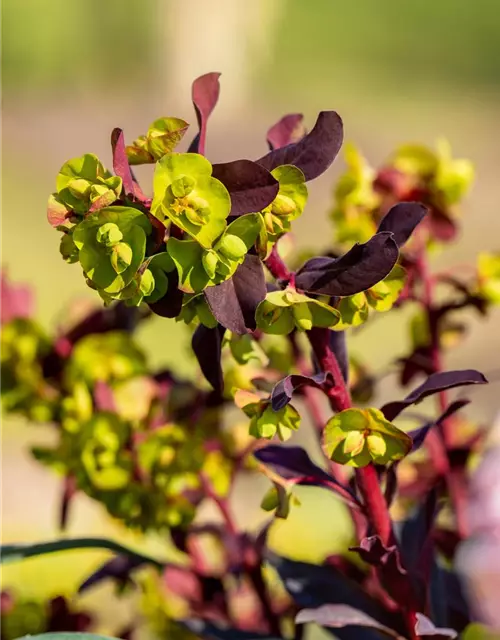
column 109, row 234
column 183, row 186
column 79, row 188
column 283, row 206
column 302, row 316
column 354, row 443
column 121, row 257
column 232, row 247
column 147, row 284
column 197, row 211
column 210, row 262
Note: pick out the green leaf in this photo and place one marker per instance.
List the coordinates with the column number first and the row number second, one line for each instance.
column 203, row 211
column 159, row 265
column 16, row 552
column 384, row 294
column 266, row 423
column 106, row 266
column 162, row 138
column 283, row 311
column 187, row 256
column 83, row 181
column 245, row 349
column 357, row 437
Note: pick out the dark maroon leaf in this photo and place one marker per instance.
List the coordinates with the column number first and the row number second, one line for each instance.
column 359, row 269
column 315, row 152
column 207, row 347
column 416, row 544
column 118, row 568
column 293, row 463
column 424, row 628
column 388, row 561
column 235, row 301
column 283, row 391
column 122, row 167
column 342, row 615
column 434, row 384
column 205, row 93
column 402, row 219
column 418, row 435
column 171, row 304
column 251, row 186
column 62, row 618
column 313, row 586
column 286, row 131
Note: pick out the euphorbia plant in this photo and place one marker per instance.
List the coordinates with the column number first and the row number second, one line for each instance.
column 207, row 250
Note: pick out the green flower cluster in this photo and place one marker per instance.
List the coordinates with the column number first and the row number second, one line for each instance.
column 145, row 476
column 354, row 310
column 356, row 437
column 23, row 387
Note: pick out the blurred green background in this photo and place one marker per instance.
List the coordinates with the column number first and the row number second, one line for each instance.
column 396, row 72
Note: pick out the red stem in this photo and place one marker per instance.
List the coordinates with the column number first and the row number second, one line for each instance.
column 340, row 399
column 441, row 440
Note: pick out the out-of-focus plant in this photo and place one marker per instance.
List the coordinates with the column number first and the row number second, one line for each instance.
column 206, row 250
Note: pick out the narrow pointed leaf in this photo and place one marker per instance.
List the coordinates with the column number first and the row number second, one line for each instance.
column 294, row 464
column 402, row 220
column 315, row 152
column 251, row 186
column 118, row 568
column 286, row 131
column 283, row 391
column 205, row 94
column 359, row 269
column 120, row 161
column 14, row 552
column 434, row 384
column 418, row 435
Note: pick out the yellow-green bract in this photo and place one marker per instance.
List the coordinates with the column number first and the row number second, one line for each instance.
column 283, row 311
column 357, row 437
column 186, row 193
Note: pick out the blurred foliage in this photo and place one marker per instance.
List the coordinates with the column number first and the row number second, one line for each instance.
column 53, row 44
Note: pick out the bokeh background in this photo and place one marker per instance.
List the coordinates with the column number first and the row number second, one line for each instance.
column 396, row 72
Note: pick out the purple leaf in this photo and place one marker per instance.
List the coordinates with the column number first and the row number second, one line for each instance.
column 342, row 615
column 293, row 463
column 207, row 347
column 120, row 161
column 402, row 219
column 388, row 560
column 359, row 269
column 315, row 152
column 283, row 391
column 204, row 93
column 286, row 131
column 313, row 586
column 418, row 435
column 424, row 628
column 434, row 384
column 234, row 302
column 69, row 492
column 122, row 167
column 118, row 568
column 171, row 304
column 417, row 548
column 251, row 187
